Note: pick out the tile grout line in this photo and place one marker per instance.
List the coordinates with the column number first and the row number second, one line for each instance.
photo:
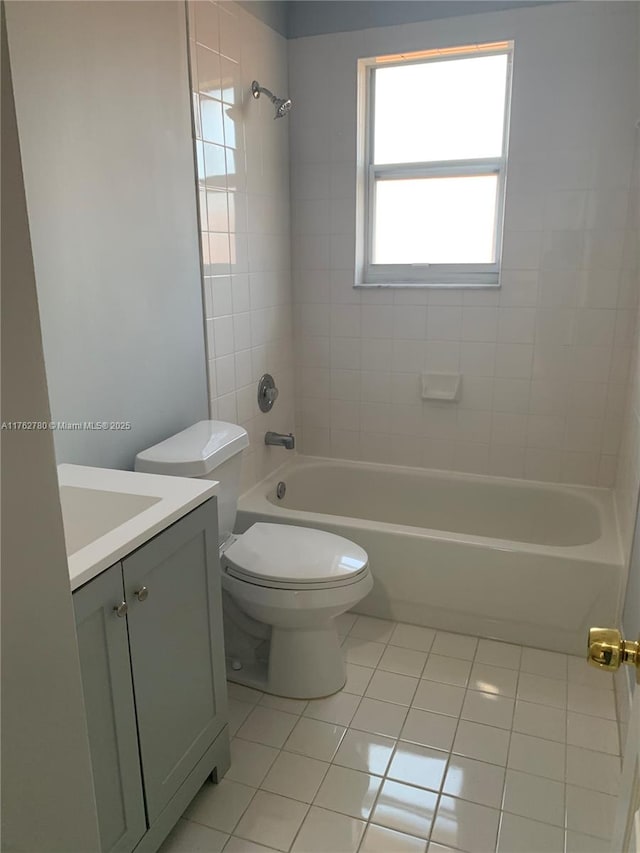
column 397, row 739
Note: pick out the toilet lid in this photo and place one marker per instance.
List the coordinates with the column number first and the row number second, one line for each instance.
column 282, row 552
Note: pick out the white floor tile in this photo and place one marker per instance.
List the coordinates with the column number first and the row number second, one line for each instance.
column 493, row 679
column 534, row 797
column 364, row 751
column 241, row 845
column 315, row 738
column 542, row 690
column 537, row 756
column 418, row 765
column 412, row 637
column 405, row 809
column 429, row 729
column 590, row 812
column 338, row 709
column 498, row 654
column 454, row 645
column 368, row 628
column 484, row 743
column 295, row 776
column 439, row 698
column 238, row 713
column 264, row 725
column 579, row 843
column 250, row 762
column 466, row 826
column 358, row 677
column 549, row 664
column 475, row 781
column 593, row 733
column 391, row 687
column 581, row 673
column 589, row 700
column 189, row 837
column 381, row 718
column 447, row 670
column 403, row 661
column 220, row 806
column 362, row 652
column 489, row 709
column 243, row 694
column 348, row 791
column 379, row 839
column 540, row 721
column 595, row 770
column 322, row 831
column 412, row 695
column 272, row 820
column 280, row 703
column 521, row 835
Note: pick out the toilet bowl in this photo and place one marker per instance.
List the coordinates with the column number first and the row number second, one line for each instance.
column 283, row 585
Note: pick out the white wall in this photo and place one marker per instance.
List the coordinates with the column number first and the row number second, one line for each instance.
column 243, row 170
column 47, row 788
column 108, row 163
column 545, row 358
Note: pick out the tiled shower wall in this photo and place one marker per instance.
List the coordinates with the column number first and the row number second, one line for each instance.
column 545, row 358
column 243, row 184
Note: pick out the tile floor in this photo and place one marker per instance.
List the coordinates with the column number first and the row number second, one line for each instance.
column 437, row 742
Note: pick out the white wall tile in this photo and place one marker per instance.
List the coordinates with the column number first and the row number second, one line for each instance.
column 245, row 222
column 538, row 356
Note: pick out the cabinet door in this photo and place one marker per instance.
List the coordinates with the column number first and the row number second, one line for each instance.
column 108, row 697
column 177, row 652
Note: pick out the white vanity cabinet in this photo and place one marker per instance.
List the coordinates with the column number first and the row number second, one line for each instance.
column 152, row 659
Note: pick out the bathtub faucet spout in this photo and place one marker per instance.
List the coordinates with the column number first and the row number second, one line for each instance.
column 277, row 439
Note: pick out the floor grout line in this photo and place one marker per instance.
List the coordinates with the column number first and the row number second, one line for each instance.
column 468, row 690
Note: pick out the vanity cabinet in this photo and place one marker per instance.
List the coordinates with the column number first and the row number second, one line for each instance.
column 152, row 659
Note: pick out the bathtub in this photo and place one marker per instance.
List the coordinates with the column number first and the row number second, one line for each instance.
column 516, row 560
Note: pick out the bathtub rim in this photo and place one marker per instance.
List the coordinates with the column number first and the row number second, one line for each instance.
column 607, row 549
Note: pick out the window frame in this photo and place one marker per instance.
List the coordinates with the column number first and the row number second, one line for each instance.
column 464, row 275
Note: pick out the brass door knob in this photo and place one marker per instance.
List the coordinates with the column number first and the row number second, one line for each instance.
column 608, row 649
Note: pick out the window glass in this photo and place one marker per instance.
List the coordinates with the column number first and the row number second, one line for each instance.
column 435, row 220
column 440, row 110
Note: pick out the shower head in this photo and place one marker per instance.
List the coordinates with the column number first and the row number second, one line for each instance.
column 282, row 105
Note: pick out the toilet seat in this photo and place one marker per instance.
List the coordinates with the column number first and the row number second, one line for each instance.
column 282, row 556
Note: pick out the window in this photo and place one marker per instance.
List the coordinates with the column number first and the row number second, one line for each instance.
column 433, row 147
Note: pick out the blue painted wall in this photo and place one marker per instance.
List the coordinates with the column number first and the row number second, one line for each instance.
column 298, row 18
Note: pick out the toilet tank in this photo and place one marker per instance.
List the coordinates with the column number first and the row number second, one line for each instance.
column 208, row 450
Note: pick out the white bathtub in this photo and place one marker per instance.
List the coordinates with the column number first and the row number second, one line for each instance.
column 520, row 561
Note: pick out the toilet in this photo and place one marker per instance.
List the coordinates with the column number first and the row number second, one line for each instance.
column 283, row 586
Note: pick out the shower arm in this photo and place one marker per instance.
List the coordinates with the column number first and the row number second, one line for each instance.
column 257, row 90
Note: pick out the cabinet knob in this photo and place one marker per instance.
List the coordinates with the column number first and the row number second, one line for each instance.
column 142, row 594
column 121, row 609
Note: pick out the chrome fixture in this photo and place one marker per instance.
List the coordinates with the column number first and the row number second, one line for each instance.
column 142, row 594
column 121, row 609
column 277, row 439
column 281, row 490
column 282, row 105
column 267, row 392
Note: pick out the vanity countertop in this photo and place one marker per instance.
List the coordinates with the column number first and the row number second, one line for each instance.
column 107, row 513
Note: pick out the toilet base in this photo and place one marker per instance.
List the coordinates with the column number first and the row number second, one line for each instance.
column 303, row 664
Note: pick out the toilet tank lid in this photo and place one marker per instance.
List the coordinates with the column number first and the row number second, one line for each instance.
column 195, row 451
